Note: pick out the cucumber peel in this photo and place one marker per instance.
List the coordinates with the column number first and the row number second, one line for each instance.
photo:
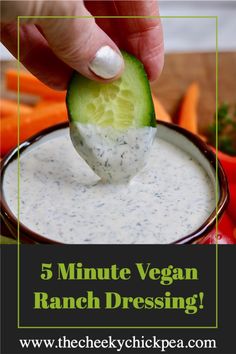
column 122, row 104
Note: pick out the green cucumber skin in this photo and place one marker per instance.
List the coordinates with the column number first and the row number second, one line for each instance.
column 77, row 82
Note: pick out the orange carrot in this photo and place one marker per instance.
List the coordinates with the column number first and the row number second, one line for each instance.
column 188, row 109
column 44, row 103
column 8, row 108
column 31, row 85
column 160, row 110
column 30, row 124
column 203, row 137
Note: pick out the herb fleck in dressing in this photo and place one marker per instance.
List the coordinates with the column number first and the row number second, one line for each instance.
column 114, row 155
column 62, row 199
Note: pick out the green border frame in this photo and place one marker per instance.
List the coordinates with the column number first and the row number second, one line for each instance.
column 18, row 179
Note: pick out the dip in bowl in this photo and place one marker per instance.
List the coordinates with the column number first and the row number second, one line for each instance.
column 172, row 199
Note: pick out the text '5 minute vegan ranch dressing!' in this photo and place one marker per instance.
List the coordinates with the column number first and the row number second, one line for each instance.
column 63, row 199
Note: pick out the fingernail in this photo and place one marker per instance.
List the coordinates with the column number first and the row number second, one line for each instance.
column 107, row 63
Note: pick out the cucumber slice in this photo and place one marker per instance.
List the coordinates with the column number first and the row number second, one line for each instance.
column 124, row 103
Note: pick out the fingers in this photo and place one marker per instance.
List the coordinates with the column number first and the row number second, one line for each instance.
column 148, row 47
column 36, row 55
column 142, row 37
column 64, row 44
column 81, row 44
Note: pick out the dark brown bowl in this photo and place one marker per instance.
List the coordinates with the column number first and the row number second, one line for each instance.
column 29, row 236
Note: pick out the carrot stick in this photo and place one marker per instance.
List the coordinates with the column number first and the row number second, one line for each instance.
column 44, row 103
column 160, row 110
column 31, row 85
column 188, row 109
column 30, row 124
column 203, row 137
column 8, row 108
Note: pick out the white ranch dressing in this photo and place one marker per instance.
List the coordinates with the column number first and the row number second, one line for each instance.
column 62, row 199
column 114, row 155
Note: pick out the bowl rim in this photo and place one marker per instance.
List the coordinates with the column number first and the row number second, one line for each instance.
column 29, row 236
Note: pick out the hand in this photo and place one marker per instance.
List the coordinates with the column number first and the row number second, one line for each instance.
column 52, row 48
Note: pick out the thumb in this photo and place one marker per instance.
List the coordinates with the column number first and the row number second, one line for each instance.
column 81, row 43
